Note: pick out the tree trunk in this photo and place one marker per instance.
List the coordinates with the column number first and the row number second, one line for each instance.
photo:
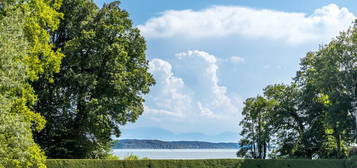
column 265, row 151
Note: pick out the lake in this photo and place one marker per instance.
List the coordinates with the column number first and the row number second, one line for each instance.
column 178, row 153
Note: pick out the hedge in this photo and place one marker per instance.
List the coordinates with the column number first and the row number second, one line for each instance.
column 211, row 163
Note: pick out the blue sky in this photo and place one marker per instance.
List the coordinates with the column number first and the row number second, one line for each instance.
column 209, row 55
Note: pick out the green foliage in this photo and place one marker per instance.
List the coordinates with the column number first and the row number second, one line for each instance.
column 101, row 81
column 25, row 53
column 332, row 72
column 227, row 163
column 40, row 17
column 287, row 121
column 313, row 116
column 255, row 133
column 17, row 148
column 39, row 58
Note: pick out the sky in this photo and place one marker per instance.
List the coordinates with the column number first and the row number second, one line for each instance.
column 208, row 56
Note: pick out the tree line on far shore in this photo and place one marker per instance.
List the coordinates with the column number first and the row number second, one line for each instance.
column 313, row 117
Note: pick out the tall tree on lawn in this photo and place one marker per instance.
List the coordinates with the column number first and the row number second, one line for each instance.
column 100, row 86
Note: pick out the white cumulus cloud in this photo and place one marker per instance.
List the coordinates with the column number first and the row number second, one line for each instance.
column 221, row 21
column 180, row 97
column 211, row 95
column 168, row 96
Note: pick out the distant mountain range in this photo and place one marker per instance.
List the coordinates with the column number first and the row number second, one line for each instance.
column 166, row 135
column 157, row 144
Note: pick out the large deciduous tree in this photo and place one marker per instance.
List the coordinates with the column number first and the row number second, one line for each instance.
column 100, row 85
column 332, row 72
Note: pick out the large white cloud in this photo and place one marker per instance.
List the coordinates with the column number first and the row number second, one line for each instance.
column 210, row 95
column 168, row 97
column 172, row 96
column 220, row 21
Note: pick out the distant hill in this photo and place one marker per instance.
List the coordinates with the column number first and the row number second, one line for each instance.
column 157, row 144
column 166, row 135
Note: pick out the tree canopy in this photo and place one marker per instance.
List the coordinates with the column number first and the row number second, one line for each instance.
column 313, row 116
column 100, row 85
